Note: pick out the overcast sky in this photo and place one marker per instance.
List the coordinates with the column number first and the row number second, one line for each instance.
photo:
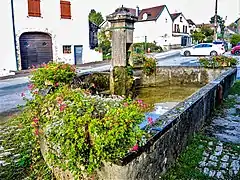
column 199, row 11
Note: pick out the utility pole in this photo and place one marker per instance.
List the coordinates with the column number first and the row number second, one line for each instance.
column 215, row 20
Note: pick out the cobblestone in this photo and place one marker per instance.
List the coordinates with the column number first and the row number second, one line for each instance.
column 225, row 158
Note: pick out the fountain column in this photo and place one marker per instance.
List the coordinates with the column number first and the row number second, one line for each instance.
column 122, row 26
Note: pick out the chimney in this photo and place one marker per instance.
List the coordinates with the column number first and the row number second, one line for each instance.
column 137, row 11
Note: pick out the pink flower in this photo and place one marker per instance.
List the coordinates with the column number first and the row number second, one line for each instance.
column 56, row 84
column 35, row 119
column 125, row 104
column 150, row 120
column 30, row 86
column 23, row 94
column 135, row 147
column 140, row 101
column 62, row 107
column 36, row 132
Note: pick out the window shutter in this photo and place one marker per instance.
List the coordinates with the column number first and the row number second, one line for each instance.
column 65, row 10
column 34, row 8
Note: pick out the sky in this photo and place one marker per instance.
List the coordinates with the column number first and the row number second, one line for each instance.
column 200, row 11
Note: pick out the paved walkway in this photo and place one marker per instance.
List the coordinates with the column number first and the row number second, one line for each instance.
column 221, row 158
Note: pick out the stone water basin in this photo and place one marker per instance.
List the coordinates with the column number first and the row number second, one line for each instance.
column 163, row 99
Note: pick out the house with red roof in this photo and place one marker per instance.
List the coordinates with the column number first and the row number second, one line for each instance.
column 154, row 24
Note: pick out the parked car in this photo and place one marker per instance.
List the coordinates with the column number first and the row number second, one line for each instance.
column 223, row 44
column 236, row 50
column 203, row 49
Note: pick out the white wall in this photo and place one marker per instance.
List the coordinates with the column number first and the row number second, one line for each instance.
column 154, row 30
column 181, row 24
column 7, row 50
column 63, row 31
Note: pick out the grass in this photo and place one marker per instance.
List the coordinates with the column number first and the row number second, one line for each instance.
column 235, row 89
column 187, row 163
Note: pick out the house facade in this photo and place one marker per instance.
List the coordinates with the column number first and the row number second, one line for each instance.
column 191, row 26
column 7, row 49
column 181, row 30
column 154, row 24
column 52, row 30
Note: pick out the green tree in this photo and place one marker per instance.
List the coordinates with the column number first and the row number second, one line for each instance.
column 104, row 42
column 95, row 17
column 220, row 22
column 198, row 36
column 235, row 39
column 207, row 31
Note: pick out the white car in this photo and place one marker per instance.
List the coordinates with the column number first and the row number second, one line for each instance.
column 203, row 49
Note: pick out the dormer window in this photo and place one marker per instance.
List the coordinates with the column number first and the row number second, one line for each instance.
column 181, row 19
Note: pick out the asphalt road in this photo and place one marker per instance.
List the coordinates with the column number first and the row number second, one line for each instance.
column 11, row 89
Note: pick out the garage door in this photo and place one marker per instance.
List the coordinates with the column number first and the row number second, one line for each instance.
column 35, row 49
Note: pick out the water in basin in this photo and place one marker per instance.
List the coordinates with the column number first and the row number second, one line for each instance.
column 163, row 99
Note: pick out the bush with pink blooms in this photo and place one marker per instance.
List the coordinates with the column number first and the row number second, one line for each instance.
column 81, row 131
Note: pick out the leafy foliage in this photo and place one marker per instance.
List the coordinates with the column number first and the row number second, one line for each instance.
column 95, row 17
column 79, row 131
column 104, row 38
column 149, row 66
column 218, row 61
column 198, row 36
column 235, row 39
column 220, row 21
column 142, row 47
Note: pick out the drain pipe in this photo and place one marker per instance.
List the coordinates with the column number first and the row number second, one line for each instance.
column 14, row 33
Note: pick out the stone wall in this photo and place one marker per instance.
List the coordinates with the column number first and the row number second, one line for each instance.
column 179, row 76
column 179, row 124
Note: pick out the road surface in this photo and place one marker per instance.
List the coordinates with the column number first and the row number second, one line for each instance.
column 11, row 89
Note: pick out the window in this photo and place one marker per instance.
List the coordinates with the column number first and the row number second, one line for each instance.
column 65, row 9
column 34, row 8
column 166, row 20
column 67, row 49
column 198, row 46
column 180, row 19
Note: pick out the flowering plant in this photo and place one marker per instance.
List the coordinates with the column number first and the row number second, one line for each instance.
column 149, row 66
column 218, row 61
column 80, row 131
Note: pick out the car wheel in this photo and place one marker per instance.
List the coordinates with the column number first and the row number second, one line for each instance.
column 187, row 53
column 237, row 53
column 213, row 53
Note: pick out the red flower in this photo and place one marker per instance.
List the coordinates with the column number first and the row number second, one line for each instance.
column 56, row 84
column 36, row 132
column 35, row 92
column 150, row 120
column 62, row 107
column 35, row 119
column 135, row 147
column 23, row 94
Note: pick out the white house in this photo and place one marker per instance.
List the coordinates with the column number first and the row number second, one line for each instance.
column 8, row 58
column 154, row 24
column 191, row 25
column 48, row 30
column 181, row 30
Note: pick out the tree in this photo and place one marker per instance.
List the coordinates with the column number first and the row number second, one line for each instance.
column 95, row 17
column 207, row 31
column 235, row 39
column 198, row 36
column 104, row 41
column 220, row 22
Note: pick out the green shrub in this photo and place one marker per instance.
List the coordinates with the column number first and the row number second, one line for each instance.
column 149, row 66
column 218, row 61
column 235, row 39
column 140, row 47
column 81, row 131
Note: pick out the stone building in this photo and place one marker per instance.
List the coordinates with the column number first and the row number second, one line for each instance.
column 46, row 30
